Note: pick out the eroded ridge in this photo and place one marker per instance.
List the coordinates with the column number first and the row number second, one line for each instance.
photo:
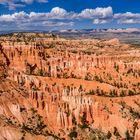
column 56, row 88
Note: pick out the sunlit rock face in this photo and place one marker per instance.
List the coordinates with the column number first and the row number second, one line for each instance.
column 1, row 70
column 54, row 88
column 2, row 65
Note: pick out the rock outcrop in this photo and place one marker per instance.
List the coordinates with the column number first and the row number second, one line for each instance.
column 66, row 87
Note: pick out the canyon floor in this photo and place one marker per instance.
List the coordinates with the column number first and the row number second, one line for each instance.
column 54, row 88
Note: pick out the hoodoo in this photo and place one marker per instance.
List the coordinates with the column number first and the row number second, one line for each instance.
column 68, row 89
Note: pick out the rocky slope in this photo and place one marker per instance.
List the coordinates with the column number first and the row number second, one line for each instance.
column 69, row 89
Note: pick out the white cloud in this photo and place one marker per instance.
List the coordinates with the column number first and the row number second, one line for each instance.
column 13, row 4
column 59, row 17
column 22, row 20
column 127, row 18
column 58, row 11
column 27, row 1
column 31, row 1
column 100, row 21
column 97, row 13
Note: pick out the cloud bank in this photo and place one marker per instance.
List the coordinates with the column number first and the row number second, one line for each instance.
column 13, row 4
column 59, row 17
column 127, row 18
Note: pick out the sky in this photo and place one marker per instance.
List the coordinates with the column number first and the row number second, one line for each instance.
column 46, row 15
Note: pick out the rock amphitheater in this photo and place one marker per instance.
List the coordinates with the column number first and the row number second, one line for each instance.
column 54, row 88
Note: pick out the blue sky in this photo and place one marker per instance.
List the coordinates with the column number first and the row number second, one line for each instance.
column 68, row 14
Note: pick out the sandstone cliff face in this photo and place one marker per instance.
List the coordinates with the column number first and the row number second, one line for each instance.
column 54, row 92
column 3, row 62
